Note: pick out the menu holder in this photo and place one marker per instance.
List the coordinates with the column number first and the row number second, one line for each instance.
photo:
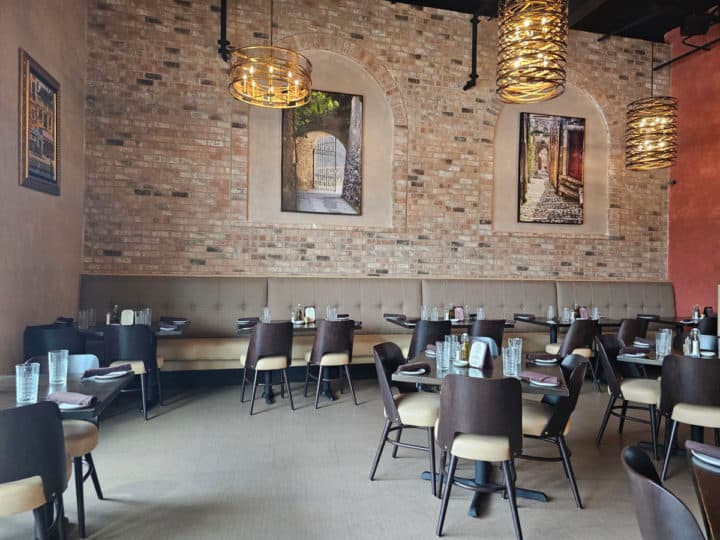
column 478, row 354
column 309, row 314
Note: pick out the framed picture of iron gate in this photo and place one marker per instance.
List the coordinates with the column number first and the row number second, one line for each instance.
column 322, row 145
column 39, row 127
column 551, row 163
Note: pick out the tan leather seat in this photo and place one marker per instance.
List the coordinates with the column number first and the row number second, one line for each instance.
column 81, row 437
column 646, row 391
column 535, row 417
column 270, row 363
column 554, row 348
column 481, row 447
column 331, row 359
column 21, row 495
column 697, row 415
column 418, row 408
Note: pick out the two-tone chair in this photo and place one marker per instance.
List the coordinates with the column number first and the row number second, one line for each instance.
column 332, row 348
column 578, row 340
column 427, row 333
column 492, row 328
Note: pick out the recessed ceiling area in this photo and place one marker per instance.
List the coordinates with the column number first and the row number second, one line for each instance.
column 641, row 19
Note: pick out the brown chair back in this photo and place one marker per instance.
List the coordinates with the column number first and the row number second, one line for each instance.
column 581, row 334
column 136, row 342
column 332, row 337
column 631, row 329
column 707, row 487
column 660, row 514
column 708, row 326
column 270, row 339
column 388, row 357
column 607, row 347
column 480, row 407
column 573, row 369
column 689, row 380
column 492, row 328
column 427, row 333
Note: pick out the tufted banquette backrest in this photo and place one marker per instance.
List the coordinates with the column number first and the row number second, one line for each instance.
column 619, row 299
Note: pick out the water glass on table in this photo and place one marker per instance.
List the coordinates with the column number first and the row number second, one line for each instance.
column 480, row 313
column 27, row 378
column 515, row 345
column 58, row 366
column 266, row 315
column 550, row 313
column 441, row 360
column 425, row 313
column 435, row 313
column 331, row 313
column 510, row 367
column 595, row 313
column 663, row 342
column 566, row 314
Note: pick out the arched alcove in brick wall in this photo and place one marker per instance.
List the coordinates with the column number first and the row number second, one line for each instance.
column 338, row 66
column 574, row 102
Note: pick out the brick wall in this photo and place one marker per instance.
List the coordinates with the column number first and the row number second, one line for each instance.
column 167, row 158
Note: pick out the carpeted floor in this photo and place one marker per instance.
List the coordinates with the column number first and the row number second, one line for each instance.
column 201, row 468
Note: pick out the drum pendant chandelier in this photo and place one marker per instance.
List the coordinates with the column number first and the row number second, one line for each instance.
column 532, row 50
column 269, row 76
column 651, row 131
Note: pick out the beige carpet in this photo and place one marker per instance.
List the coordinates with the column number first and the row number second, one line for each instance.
column 203, row 469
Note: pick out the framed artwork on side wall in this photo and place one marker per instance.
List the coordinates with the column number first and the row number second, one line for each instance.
column 551, row 163
column 322, row 145
column 39, row 127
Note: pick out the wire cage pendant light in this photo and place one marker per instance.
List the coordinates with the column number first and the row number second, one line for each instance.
column 270, row 76
column 532, row 50
column 651, row 131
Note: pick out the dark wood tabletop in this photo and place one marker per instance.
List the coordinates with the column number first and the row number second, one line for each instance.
column 98, row 332
column 411, row 322
column 433, row 378
column 105, row 391
column 298, row 329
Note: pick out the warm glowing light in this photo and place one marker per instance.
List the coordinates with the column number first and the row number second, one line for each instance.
column 651, row 133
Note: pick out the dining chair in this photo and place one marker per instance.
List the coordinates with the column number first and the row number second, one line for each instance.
column 38, row 340
column 427, row 333
column 270, row 349
column 480, row 420
column 660, row 514
column 646, row 392
column 492, row 328
column 79, row 363
column 332, row 348
column 578, row 340
column 135, row 345
column 549, row 420
column 413, row 410
column 689, row 395
column 33, row 465
column 705, row 465
column 630, row 329
column 708, row 328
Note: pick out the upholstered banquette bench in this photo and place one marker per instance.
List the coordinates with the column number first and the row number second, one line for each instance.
column 213, row 304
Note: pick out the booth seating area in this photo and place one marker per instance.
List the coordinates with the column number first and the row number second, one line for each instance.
column 213, row 304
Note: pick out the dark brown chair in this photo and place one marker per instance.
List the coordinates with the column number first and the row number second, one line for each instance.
column 33, row 465
column 549, row 420
column 643, row 391
column 427, row 333
column 706, row 478
column 660, row 514
column 480, row 420
column 708, row 326
column 135, row 345
column 689, row 395
column 492, row 328
column 631, row 329
column 332, row 348
column 38, row 340
column 270, row 349
column 578, row 340
column 412, row 410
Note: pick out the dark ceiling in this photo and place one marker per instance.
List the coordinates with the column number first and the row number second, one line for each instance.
column 642, row 19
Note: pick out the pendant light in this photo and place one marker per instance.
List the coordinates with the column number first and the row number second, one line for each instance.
column 651, row 130
column 532, row 50
column 270, row 76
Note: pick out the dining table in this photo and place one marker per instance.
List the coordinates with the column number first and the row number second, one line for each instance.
column 410, row 323
column 494, row 370
column 555, row 324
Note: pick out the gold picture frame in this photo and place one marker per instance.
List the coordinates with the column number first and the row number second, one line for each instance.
column 39, row 127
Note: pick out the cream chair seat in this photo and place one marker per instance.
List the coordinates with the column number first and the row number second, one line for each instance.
column 81, row 437
column 419, row 409
column 535, row 417
column 481, row 447
column 554, row 348
column 21, row 496
column 697, row 415
column 645, row 391
column 330, row 359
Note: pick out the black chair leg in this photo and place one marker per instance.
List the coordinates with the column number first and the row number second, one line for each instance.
column 62, row 533
column 159, row 387
column 446, row 494
column 80, row 495
column 653, row 430
column 395, row 447
column 431, row 451
column 668, row 450
column 254, row 390
column 317, row 389
column 350, row 384
column 381, row 446
column 510, row 489
column 242, row 391
column 287, row 385
column 307, row 380
column 569, row 470
column 623, row 413
column 441, row 475
column 606, row 417
column 94, row 476
column 41, row 531
column 593, row 373
column 717, row 437
column 142, row 396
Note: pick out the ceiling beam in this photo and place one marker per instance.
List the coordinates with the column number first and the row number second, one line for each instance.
column 582, row 8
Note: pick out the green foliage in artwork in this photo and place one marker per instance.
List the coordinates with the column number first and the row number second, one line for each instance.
column 322, row 104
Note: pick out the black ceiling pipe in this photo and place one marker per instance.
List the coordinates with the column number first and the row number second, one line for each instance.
column 473, row 69
column 224, row 48
column 704, row 47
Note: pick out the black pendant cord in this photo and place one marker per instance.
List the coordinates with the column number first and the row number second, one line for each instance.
column 652, row 71
column 473, row 60
column 224, row 48
column 271, row 21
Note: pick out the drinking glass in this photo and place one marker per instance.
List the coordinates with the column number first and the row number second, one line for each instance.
column 331, row 313
column 515, row 346
column 266, row 315
column 566, row 314
column 435, row 315
column 139, row 316
column 82, row 319
column 480, row 313
column 595, row 313
column 466, row 312
column 424, row 312
column 550, row 312
column 147, row 315
column 91, row 317
column 509, row 365
column 27, row 377
column 440, row 358
column 57, row 366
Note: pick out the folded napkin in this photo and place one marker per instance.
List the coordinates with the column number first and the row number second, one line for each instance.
column 72, row 398
column 528, row 316
column 164, row 325
column 538, row 377
column 633, row 350
column 393, row 316
column 640, row 342
column 414, row 366
column 104, row 371
column 431, row 348
column 248, row 321
column 531, row 357
column 705, row 449
column 174, row 320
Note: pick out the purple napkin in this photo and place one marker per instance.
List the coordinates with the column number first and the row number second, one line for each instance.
column 633, row 350
column 104, row 371
column 414, row 366
column 531, row 357
column 539, row 377
column 430, row 348
column 705, row 449
column 72, row 398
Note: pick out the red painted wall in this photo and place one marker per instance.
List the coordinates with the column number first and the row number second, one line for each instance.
column 694, row 221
